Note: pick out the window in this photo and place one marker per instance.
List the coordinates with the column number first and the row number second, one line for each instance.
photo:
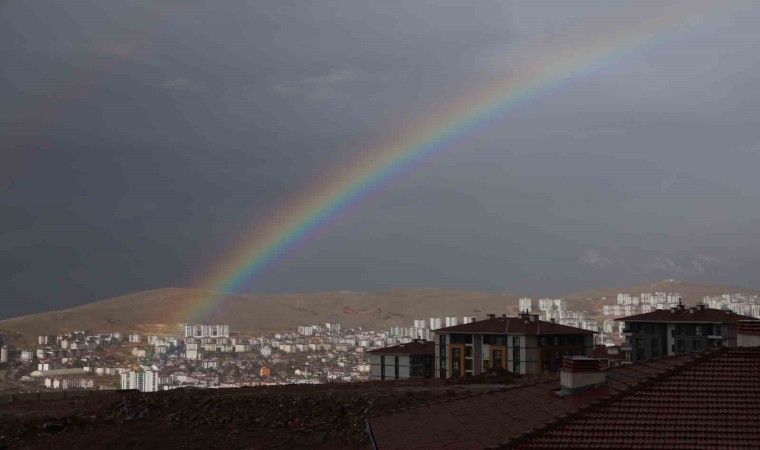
column 456, row 357
column 497, row 359
column 515, row 355
column 640, row 343
column 655, row 348
column 443, row 364
column 696, row 346
column 494, row 339
column 681, row 346
column 395, row 366
column 382, row 367
column 458, row 338
column 698, row 330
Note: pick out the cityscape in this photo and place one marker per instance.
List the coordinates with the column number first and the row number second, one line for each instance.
column 213, row 356
column 353, row 224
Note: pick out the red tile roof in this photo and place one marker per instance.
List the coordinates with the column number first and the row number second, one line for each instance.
column 686, row 315
column 712, row 401
column 513, row 325
column 492, row 418
column 412, row 348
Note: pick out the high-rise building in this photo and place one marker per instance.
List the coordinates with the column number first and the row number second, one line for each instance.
column 201, row 331
column 143, row 381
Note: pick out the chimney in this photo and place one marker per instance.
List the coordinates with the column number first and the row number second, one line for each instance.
column 491, row 316
column 551, row 320
column 748, row 333
column 580, row 373
column 692, row 309
column 534, row 318
column 702, row 306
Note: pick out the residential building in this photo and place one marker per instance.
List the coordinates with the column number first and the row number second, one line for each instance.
column 521, row 344
column 678, row 330
column 701, row 400
column 201, row 331
column 143, row 380
column 415, row 359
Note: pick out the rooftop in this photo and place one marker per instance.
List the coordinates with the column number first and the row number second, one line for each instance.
column 411, row 348
column 711, row 401
column 524, row 324
column 495, row 417
column 685, row 314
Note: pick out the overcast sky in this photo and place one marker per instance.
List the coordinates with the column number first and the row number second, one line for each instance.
column 140, row 140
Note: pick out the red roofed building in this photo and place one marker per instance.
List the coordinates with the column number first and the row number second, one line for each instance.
column 520, row 345
column 678, row 330
column 703, row 400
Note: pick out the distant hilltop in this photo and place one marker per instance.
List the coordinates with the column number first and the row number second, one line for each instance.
column 165, row 311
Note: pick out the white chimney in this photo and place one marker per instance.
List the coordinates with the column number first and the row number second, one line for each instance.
column 580, row 373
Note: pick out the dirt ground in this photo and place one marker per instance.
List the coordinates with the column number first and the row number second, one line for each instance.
column 282, row 417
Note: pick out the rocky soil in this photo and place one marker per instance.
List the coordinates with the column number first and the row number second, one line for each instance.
column 283, row 417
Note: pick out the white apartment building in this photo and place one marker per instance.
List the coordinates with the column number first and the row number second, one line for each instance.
column 548, row 304
column 143, row 381
column 525, row 304
column 205, row 330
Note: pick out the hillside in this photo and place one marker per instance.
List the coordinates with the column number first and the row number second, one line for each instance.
column 164, row 310
column 691, row 293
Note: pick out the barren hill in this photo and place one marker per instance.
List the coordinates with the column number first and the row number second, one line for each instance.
column 164, row 310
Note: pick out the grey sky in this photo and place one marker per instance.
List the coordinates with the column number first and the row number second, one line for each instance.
column 140, row 140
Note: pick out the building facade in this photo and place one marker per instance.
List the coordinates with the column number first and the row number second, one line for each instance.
column 415, row 359
column 520, row 345
column 678, row 330
column 143, row 381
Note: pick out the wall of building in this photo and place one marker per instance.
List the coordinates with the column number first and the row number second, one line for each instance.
column 391, row 362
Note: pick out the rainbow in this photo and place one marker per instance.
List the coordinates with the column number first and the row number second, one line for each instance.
column 574, row 53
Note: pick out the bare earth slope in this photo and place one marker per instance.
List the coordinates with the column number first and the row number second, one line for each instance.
column 164, row 310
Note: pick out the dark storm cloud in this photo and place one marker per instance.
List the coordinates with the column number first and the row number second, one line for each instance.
column 141, row 140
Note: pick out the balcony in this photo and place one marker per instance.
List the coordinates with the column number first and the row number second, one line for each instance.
column 626, row 347
column 627, row 332
column 714, row 336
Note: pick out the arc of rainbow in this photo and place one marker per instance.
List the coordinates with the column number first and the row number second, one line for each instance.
column 569, row 57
